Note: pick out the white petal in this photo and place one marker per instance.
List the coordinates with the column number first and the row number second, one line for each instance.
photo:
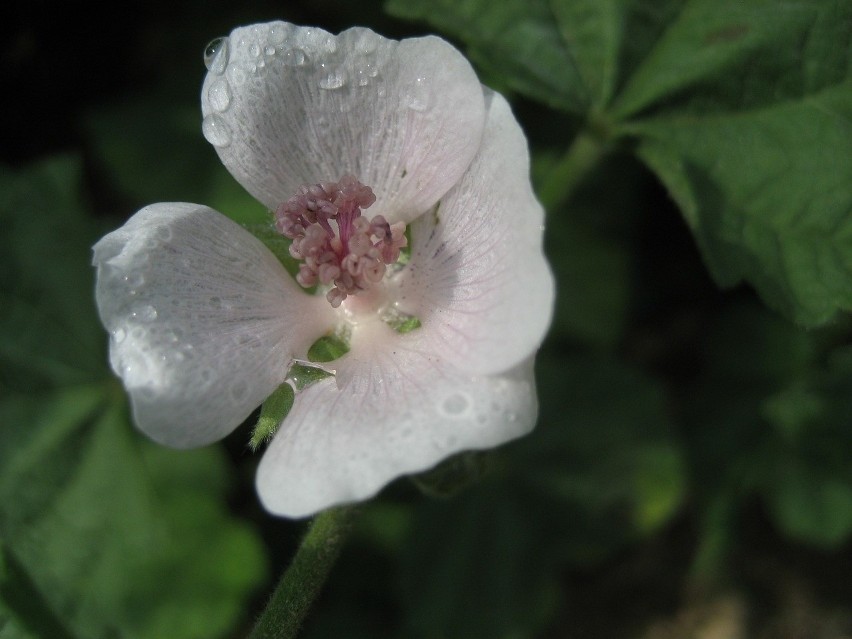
column 297, row 105
column 203, row 320
column 398, row 411
column 477, row 279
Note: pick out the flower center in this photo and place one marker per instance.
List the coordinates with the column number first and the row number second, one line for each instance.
column 338, row 245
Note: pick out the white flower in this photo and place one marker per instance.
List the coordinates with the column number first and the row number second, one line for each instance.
column 205, row 322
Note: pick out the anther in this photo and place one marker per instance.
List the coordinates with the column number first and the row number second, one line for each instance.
column 337, row 244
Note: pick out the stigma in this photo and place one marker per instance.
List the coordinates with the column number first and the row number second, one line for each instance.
column 337, row 245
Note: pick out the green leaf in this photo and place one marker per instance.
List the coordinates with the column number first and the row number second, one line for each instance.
column 809, row 483
column 48, row 324
column 24, row 603
column 779, row 219
column 515, row 41
column 726, row 56
column 610, row 38
column 116, row 533
column 769, row 417
column 745, row 113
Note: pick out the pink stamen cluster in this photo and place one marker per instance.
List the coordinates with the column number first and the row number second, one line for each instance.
column 338, row 244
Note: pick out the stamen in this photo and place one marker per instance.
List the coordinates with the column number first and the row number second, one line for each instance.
column 338, row 245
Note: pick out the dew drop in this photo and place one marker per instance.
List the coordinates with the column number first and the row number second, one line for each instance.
column 333, row 80
column 367, row 42
column 216, row 55
column 363, row 78
column 145, row 313
column 276, row 35
column 455, row 404
column 237, row 75
column 118, row 335
column 295, row 57
column 215, row 131
column 134, row 280
column 419, row 95
column 270, row 50
column 219, row 95
column 164, row 233
column 254, row 50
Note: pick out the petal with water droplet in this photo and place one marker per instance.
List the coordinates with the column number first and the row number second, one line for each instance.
column 477, row 278
column 404, row 117
column 196, row 369
column 396, row 413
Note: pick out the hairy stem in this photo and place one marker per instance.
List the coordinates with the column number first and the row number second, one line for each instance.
column 304, row 578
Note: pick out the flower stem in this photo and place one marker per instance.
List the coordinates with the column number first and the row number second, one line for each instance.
column 302, row 581
column 559, row 184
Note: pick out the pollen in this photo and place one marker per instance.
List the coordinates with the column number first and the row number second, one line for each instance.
column 337, row 245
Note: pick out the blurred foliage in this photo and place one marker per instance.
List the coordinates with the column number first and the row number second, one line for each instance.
column 686, row 433
column 95, row 520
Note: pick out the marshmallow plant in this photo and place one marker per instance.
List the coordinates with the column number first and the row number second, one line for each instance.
column 360, row 146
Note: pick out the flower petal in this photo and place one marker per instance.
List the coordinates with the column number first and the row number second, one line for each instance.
column 203, row 320
column 398, row 411
column 477, row 279
column 297, row 105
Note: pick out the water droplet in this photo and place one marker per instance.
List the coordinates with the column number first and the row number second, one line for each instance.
column 455, row 404
column 134, row 280
column 145, row 313
column 367, row 42
column 362, row 77
column 333, row 80
column 216, row 131
column 295, row 57
column 164, row 233
column 277, row 35
column 237, row 75
column 419, row 95
column 219, row 95
column 118, row 335
column 254, row 50
column 270, row 50
column 513, row 417
column 216, row 55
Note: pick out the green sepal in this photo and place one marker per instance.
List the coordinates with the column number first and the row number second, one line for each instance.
column 303, row 376
column 404, row 324
column 328, row 348
column 274, row 410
